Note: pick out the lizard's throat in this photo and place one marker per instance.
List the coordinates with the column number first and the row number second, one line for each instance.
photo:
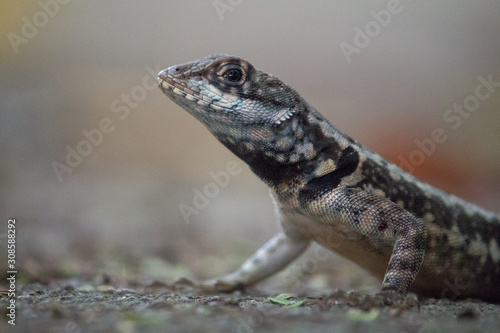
column 272, row 162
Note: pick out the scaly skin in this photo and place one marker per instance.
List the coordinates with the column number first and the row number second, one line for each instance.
column 330, row 189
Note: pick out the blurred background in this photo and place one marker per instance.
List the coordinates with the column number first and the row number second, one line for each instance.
column 90, row 205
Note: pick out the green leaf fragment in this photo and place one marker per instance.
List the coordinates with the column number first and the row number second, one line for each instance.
column 288, row 300
column 294, row 304
column 360, row 315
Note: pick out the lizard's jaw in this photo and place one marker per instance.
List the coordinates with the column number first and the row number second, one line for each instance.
column 171, row 88
column 202, row 102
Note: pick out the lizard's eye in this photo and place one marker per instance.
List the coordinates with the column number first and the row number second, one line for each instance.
column 233, row 75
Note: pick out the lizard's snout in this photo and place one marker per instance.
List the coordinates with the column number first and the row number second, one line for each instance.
column 162, row 75
column 163, row 80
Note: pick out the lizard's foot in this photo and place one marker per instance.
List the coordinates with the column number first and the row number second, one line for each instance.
column 382, row 299
column 210, row 286
column 394, row 299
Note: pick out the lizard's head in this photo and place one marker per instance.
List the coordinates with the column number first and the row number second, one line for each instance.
column 253, row 113
column 222, row 89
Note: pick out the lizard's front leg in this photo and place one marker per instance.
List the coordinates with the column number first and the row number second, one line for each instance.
column 383, row 228
column 273, row 256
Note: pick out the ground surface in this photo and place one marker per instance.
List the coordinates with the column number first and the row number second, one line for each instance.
column 157, row 308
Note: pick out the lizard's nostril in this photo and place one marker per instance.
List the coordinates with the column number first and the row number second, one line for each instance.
column 177, row 69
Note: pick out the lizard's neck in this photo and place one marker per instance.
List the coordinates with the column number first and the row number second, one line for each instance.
column 303, row 147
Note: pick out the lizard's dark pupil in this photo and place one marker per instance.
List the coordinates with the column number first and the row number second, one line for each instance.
column 233, row 75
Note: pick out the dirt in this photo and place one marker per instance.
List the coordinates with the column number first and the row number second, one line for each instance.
column 157, row 308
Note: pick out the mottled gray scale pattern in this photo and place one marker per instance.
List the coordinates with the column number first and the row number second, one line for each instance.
column 330, row 189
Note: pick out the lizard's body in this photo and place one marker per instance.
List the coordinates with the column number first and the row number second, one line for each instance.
column 330, row 189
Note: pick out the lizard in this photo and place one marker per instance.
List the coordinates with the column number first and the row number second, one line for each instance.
column 330, row 189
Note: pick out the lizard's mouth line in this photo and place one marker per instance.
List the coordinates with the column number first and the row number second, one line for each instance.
column 168, row 87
